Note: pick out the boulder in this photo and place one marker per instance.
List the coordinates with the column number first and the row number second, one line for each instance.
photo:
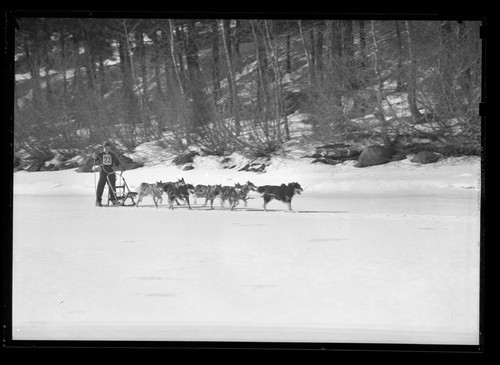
column 227, row 163
column 378, row 155
column 326, row 160
column 333, row 154
column 374, row 155
column 34, row 166
column 257, row 165
column 424, row 157
column 185, row 158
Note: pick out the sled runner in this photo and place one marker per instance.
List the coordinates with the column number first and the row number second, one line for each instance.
column 124, row 197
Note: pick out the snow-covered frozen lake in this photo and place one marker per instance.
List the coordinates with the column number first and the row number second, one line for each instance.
column 387, row 254
column 342, row 268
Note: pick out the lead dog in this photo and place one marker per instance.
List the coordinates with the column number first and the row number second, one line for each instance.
column 283, row 193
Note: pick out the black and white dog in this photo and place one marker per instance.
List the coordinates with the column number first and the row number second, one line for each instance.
column 178, row 190
column 283, row 193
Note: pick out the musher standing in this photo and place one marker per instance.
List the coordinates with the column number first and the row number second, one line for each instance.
column 105, row 161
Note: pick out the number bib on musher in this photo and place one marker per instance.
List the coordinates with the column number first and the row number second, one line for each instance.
column 107, row 160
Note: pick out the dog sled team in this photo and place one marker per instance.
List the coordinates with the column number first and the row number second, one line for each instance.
column 232, row 195
column 179, row 190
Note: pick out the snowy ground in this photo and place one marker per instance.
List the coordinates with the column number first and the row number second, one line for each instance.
column 386, row 254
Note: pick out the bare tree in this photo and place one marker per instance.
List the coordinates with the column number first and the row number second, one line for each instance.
column 232, row 85
column 201, row 113
column 177, row 68
column 362, row 43
column 273, row 52
column 307, row 53
column 412, row 76
column 215, row 60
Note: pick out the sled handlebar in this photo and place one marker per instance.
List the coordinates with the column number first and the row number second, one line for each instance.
column 114, row 172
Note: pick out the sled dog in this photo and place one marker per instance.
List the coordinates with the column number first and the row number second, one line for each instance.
column 226, row 193
column 209, row 192
column 200, row 191
column 243, row 190
column 178, row 191
column 234, row 194
column 155, row 190
column 283, row 193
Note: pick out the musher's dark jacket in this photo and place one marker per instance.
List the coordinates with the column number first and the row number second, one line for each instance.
column 106, row 161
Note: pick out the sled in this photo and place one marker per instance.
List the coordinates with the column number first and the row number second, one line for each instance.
column 124, row 197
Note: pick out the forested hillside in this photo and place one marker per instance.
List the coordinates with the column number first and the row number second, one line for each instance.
column 225, row 85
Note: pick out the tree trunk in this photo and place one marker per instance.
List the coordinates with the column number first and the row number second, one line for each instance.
column 446, row 63
column 130, row 103
column 466, row 77
column 89, row 59
column 319, row 50
column 348, row 54
column 138, row 108
column 227, row 29
column 362, row 43
column 48, row 92
column 335, row 41
column 348, row 41
column 262, row 81
column 400, row 85
column 378, row 92
column 308, row 55
column 199, row 107
column 177, row 69
column 312, row 41
column 63, row 63
column 143, row 64
column 237, row 42
column 102, row 76
column 335, row 54
column 157, row 62
column 34, row 68
column 233, row 93
column 279, row 85
column 172, row 83
column 215, row 61
column 179, row 49
column 412, row 77
column 47, row 63
column 288, row 64
column 272, row 54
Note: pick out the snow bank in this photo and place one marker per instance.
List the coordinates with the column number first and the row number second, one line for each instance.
column 455, row 173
